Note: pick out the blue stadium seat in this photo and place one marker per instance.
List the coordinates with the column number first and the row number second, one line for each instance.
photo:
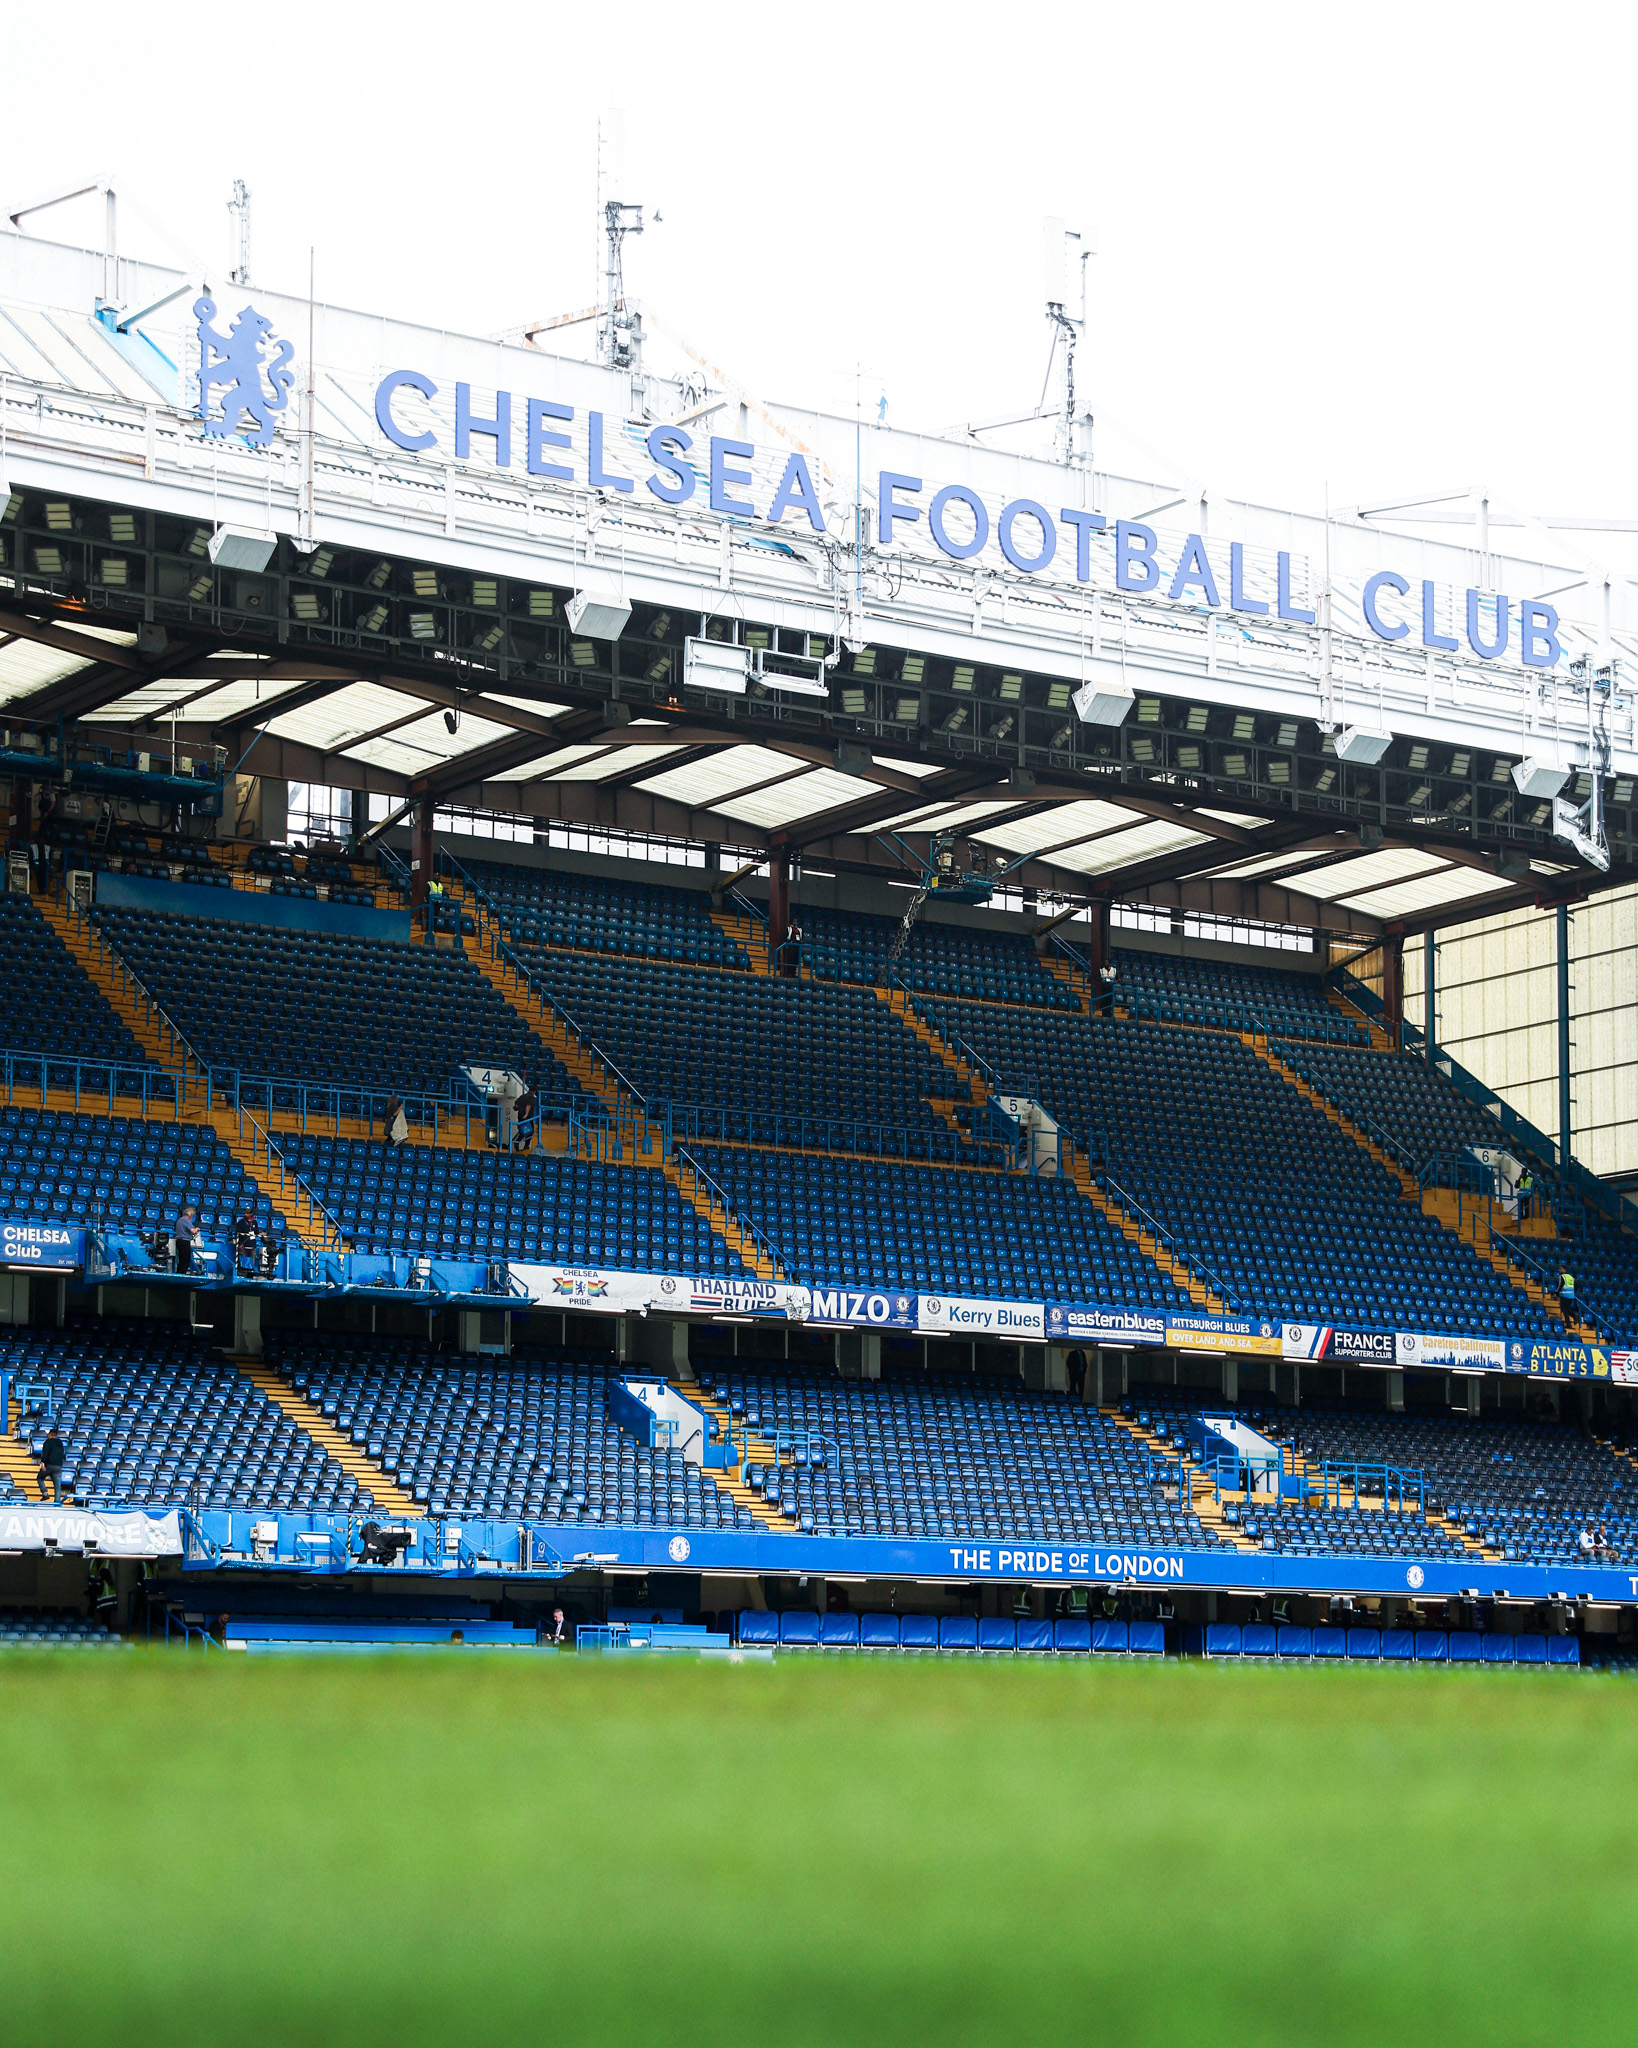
column 839, row 1632
column 1464, row 1646
column 918, row 1632
column 958, row 1632
column 1563, row 1650
column 878, row 1631
column 1530, row 1649
column 1113, row 1638
column 1072, row 1635
column 1222, row 1639
column 1398, row 1645
column 997, row 1632
column 1432, row 1646
column 1257, row 1639
column 1496, row 1647
column 1330, row 1642
column 799, row 1629
column 1148, row 1639
column 1034, row 1635
column 1293, row 1640
column 756, row 1625
column 1365, row 1643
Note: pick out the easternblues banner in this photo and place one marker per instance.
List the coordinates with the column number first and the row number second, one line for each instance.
column 1070, row 1322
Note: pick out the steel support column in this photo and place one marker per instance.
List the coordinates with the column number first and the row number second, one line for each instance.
column 1429, row 976
column 1393, row 987
column 420, row 851
column 1564, row 1146
column 779, row 911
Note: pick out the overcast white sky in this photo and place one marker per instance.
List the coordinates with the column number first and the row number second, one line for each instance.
column 1386, row 249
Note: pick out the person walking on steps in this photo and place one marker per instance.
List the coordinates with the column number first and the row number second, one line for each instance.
column 51, row 1464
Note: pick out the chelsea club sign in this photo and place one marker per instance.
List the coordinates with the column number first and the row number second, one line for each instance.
column 232, row 370
column 245, row 383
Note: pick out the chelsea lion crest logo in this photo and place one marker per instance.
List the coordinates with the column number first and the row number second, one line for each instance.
column 249, row 368
column 679, row 1549
column 1415, row 1577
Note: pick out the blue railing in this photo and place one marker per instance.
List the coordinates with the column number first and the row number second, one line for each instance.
column 717, row 1196
column 701, row 1124
column 1168, row 1240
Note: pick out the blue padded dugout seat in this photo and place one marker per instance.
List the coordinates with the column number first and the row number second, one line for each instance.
column 1365, row 1643
column 839, row 1632
column 1293, row 1640
column 1223, row 1639
column 1563, row 1651
column 1148, row 1639
column 758, row 1626
column 918, row 1632
column 878, row 1631
column 1496, row 1648
column 998, row 1632
column 1330, row 1642
column 1034, row 1635
column 1257, row 1639
column 799, row 1629
column 1529, row 1649
column 1072, row 1635
column 1111, row 1638
column 1432, row 1646
column 1465, row 1646
column 958, row 1632
column 1398, row 1645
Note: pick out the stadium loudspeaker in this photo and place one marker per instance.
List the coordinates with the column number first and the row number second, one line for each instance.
column 1103, row 703
column 1535, row 777
column 600, row 614
column 1358, row 744
column 242, row 547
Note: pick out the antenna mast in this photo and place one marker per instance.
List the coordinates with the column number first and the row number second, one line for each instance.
column 1072, row 434
column 619, row 326
column 239, row 207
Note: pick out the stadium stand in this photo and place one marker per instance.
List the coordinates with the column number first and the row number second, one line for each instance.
column 933, row 1455
column 531, row 1436
column 1157, row 988
column 725, row 1043
column 48, row 1003
column 475, row 1205
column 47, row 1628
column 866, row 1223
column 124, row 1173
column 312, row 1006
column 943, row 959
column 152, row 1416
column 539, row 907
column 1295, row 1217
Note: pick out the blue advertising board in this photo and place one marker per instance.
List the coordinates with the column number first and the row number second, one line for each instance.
column 41, row 1247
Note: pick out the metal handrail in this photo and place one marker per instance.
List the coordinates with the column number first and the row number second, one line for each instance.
column 1167, row 1239
column 744, row 1222
column 840, row 1136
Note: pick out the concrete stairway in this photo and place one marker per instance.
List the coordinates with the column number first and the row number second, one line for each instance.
column 389, row 1497
column 1470, row 1220
column 1189, row 1480
column 697, row 1194
column 124, row 993
column 759, row 1451
column 1176, row 1270
column 918, row 1027
column 746, row 933
column 1060, row 970
column 20, row 1467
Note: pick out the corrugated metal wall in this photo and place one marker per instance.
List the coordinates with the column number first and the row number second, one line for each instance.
column 1497, row 1012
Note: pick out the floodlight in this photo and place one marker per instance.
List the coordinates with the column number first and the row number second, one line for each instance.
column 1534, row 776
column 1103, row 703
column 452, row 722
column 242, row 547
column 598, row 611
column 1570, row 825
column 716, row 665
column 1362, row 745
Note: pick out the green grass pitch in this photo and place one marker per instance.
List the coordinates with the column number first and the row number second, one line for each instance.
column 465, row 1850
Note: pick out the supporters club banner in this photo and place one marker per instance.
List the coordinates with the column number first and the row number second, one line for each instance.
column 1077, row 1323
column 1434, row 1353
column 133, row 1534
column 598, row 1290
column 845, row 1308
column 945, row 1315
column 1328, row 1344
column 1223, row 1333
column 1547, row 1359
